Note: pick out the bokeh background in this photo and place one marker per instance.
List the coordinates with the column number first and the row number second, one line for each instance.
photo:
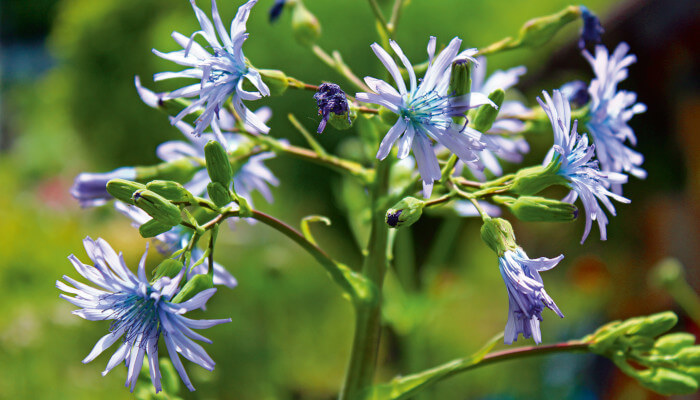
column 68, row 105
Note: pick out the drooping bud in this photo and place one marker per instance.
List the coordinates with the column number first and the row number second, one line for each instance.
column 171, row 190
column 196, row 284
column 276, row 80
column 591, row 29
column 486, row 114
column 331, row 101
column 529, row 181
column 673, row 342
column 123, row 190
column 169, row 267
column 405, row 213
column 90, row 189
column 655, row 324
column 667, row 382
column 689, row 356
column 305, row 25
column 534, row 208
column 498, row 235
column 536, row 32
column 219, row 194
column 153, row 228
column 157, row 207
column 218, row 164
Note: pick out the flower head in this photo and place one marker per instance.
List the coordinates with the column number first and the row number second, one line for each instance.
column 221, row 74
column 330, row 98
column 610, row 111
column 591, row 30
column 90, row 189
column 141, row 312
column 526, row 295
column 577, row 165
column 426, row 110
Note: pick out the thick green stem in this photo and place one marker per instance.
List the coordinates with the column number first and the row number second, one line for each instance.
column 363, row 359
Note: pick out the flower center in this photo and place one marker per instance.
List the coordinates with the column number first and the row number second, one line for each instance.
column 136, row 315
column 428, row 109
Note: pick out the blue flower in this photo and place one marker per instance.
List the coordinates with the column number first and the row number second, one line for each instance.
column 610, row 111
column 591, row 29
column 90, row 189
column 141, row 312
column 577, row 165
column 526, row 295
column 221, row 74
column 426, row 111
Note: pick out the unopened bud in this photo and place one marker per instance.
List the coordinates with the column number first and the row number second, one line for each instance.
column 673, row 342
column 219, row 194
column 305, row 25
column 460, row 77
column 157, row 207
column 529, row 181
column 218, row 165
column 654, row 325
column 123, row 190
column 534, row 208
column 169, row 267
column 536, row 32
column 486, row 114
column 667, row 382
column 181, row 170
column 669, row 273
column 196, row 284
column 275, row 79
column 405, row 213
column 498, row 235
column 171, row 190
column 689, row 356
column 153, row 228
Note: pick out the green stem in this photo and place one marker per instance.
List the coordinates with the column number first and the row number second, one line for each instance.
column 379, row 16
column 363, row 358
column 316, row 146
column 336, row 62
column 395, row 15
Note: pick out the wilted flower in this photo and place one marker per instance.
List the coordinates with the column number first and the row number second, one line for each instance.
column 221, row 74
column 578, row 166
column 426, row 111
column 591, row 29
column 330, row 98
column 90, row 189
column 141, row 312
column 610, row 111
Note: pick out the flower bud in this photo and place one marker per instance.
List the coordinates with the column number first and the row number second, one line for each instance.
column 529, row 181
column 534, row 208
column 275, row 79
column 332, row 102
column 196, row 284
column 591, row 30
column 123, row 190
column 171, row 190
column 219, row 194
column 498, row 235
column 655, row 324
column 486, row 114
column 181, row 170
column 460, row 77
column 343, row 121
column 673, row 342
column 689, row 356
column 536, row 32
column 90, row 189
column 218, row 165
column 157, row 207
column 667, row 382
column 305, row 25
column 153, row 228
column 669, row 273
column 405, row 213
column 169, row 267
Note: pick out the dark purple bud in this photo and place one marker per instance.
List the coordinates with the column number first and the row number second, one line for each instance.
column 591, row 30
column 392, row 219
column 576, row 92
column 276, row 10
column 90, row 189
column 330, row 98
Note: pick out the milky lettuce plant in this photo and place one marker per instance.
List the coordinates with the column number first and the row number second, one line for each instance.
column 451, row 118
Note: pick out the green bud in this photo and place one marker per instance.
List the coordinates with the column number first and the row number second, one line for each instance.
column 529, row 181
column 343, row 121
column 305, row 26
column 673, row 342
column 387, row 116
column 219, row 194
column 123, row 190
column 181, row 170
column 498, row 235
column 460, row 77
column 275, row 79
column 405, row 213
column 534, row 208
column 538, row 31
column 171, row 190
column 689, row 356
column 157, row 207
column 486, row 114
column 655, row 324
column 153, row 228
column 197, row 284
column 640, row 343
column 169, row 267
column 667, row 382
column 693, row 372
column 669, row 272
column 218, row 165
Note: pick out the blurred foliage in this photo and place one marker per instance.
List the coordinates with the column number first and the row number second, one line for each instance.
column 291, row 330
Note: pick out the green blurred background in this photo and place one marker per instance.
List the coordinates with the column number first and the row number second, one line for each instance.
column 68, row 105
